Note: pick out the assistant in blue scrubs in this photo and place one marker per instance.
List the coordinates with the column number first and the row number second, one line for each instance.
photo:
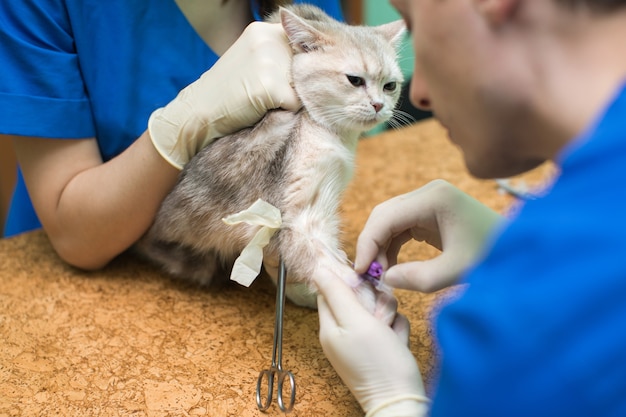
column 91, row 68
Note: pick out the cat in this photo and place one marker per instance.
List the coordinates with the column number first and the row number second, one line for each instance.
column 349, row 81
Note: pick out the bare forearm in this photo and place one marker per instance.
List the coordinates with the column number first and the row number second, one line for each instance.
column 94, row 211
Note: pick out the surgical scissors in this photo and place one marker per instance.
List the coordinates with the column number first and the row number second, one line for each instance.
column 276, row 369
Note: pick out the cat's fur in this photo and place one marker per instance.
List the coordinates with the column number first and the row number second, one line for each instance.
column 301, row 163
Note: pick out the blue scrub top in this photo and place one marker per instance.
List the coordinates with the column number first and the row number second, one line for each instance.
column 540, row 330
column 91, row 68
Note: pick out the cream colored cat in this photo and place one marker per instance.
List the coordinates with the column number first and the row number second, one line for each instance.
column 349, row 81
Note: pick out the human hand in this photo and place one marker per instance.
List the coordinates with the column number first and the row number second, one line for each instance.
column 438, row 214
column 371, row 357
column 252, row 77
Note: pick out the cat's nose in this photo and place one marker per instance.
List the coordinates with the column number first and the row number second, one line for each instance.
column 377, row 106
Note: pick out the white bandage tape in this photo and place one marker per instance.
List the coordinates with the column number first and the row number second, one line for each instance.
column 248, row 264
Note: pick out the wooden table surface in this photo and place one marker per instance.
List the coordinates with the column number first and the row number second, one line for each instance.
column 128, row 340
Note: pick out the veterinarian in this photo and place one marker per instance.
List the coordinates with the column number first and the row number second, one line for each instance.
column 539, row 327
column 90, row 97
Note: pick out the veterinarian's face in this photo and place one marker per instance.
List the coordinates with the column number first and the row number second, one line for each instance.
column 467, row 77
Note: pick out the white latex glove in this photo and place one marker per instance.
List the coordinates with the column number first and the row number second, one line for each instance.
column 371, row 358
column 437, row 213
column 252, row 77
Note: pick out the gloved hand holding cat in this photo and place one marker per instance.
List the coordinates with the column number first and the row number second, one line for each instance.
column 248, row 80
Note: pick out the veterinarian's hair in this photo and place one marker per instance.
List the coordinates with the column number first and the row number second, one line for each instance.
column 597, row 6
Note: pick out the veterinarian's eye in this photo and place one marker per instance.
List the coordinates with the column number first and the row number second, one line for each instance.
column 356, row 81
column 390, row 86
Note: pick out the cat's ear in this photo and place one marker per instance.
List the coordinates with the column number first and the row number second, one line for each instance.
column 394, row 31
column 302, row 36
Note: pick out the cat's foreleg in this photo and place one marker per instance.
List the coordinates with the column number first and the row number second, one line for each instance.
column 305, row 239
column 309, row 246
column 297, row 291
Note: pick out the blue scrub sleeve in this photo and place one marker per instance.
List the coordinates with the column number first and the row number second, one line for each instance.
column 41, row 88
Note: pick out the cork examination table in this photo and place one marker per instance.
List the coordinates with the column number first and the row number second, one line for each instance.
column 129, row 341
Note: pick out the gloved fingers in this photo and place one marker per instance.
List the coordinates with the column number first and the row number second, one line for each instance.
column 402, row 328
column 386, row 307
column 374, row 240
column 274, row 66
column 384, row 248
column 370, row 247
column 425, row 276
column 394, row 248
column 326, row 318
column 395, row 221
column 277, row 91
column 280, row 95
column 418, row 212
column 341, row 300
column 329, row 329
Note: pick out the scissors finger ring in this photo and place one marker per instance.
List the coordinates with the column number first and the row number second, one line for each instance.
column 265, row 374
column 282, row 376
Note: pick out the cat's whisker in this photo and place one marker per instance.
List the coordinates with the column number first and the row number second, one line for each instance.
column 403, row 59
column 400, row 119
column 397, row 124
column 403, row 116
column 333, row 120
column 392, row 123
column 334, row 116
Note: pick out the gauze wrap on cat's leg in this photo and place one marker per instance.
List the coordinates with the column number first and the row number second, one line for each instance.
column 248, row 265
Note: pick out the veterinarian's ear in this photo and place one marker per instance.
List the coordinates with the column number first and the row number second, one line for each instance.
column 302, row 36
column 496, row 12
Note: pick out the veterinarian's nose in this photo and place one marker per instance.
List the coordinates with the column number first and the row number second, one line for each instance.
column 419, row 95
column 377, row 106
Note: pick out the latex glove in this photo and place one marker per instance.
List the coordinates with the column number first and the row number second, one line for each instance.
column 371, row 357
column 437, row 213
column 252, row 77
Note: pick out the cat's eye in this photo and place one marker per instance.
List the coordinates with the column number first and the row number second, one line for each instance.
column 390, row 86
column 356, row 81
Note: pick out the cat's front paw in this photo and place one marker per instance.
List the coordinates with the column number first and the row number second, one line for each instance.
column 380, row 302
column 301, row 294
